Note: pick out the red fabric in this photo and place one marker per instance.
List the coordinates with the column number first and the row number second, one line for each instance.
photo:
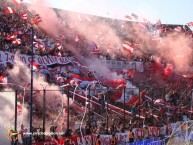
column 133, row 100
column 9, row 10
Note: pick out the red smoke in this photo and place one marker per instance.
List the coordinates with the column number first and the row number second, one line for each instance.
column 168, row 70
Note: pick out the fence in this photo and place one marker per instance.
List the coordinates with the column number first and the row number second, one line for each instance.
column 49, row 106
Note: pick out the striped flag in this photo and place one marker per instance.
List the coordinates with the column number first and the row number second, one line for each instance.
column 17, row 2
column 10, row 37
column 3, row 79
column 38, row 18
column 39, row 46
column 59, row 46
column 35, row 66
column 24, row 15
column 128, row 47
column 16, row 41
column 9, row 10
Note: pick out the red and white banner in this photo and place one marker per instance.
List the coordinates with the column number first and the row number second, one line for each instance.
column 75, row 140
column 139, row 133
column 40, row 60
column 151, row 132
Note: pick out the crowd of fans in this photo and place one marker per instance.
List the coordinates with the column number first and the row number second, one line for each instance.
column 96, row 120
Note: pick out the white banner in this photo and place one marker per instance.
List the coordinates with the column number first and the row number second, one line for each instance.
column 40, row 60
column 114, row 64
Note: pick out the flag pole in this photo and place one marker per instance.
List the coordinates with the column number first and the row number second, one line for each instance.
column 15, row 110
column 31, row 93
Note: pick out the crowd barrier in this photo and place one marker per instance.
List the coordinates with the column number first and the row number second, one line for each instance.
column 105, row 139
column 155, row 141
column 178, row 132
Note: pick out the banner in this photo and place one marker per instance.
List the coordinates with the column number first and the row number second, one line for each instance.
column 119, row 65
column 74, row 140
column 105, row 139
column 40, row 60
column 150, row 142
column 150, row 132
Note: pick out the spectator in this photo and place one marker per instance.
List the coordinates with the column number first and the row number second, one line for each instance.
column 113, row 139
column 131, row 136
column 97, row 140
column 25, row 135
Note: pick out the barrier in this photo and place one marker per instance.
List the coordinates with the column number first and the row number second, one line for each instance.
column 150, row 142
column 75, row 140
column 105, row 140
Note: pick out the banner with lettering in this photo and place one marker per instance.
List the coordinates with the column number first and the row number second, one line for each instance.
column 139, row 133
column 105, row 139
column 40, row 60
column 75, row 140
column 150, row 142
column 119, row 65
column 150, row 132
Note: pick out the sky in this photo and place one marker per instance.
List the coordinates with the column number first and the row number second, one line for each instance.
column 168, row 11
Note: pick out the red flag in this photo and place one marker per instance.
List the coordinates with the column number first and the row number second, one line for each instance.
column 39, row 46
column 59, row 46
column 24, row 15
column 38, row 18
column 42, row 47
column 96, row 50
column 59, row 54
column 3, row 79
column 190, row 24
column 16, row 41
column 10, row 37
column 168, row 70
column 35, row 66
column 9, row 10
column 128, row 47
column 78, row 38
column 17, row 2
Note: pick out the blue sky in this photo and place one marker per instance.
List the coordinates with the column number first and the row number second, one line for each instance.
column 169, row 11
